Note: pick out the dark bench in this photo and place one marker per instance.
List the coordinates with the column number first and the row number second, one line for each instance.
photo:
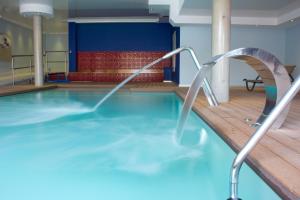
column 257, row 80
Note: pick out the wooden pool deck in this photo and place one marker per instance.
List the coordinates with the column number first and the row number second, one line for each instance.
column 17, row 89
column 276, row 158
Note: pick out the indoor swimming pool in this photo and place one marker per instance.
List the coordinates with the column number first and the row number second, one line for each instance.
column 53, row 147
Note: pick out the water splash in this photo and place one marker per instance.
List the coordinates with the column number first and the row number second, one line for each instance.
column 26, row 113
column 131, row 153
column 106, row 147
column 188, row 102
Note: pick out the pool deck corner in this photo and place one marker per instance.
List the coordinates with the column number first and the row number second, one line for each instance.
column 18, row 89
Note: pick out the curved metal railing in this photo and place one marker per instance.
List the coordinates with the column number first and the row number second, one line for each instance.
column 259, row 133
column 207, row 89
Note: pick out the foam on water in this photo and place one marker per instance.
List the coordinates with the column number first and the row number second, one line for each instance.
column 121, row 147
column 28, row 113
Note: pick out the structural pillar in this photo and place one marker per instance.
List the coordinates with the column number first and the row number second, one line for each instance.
column 37, row 9
column 221, row 25
column 38, row 50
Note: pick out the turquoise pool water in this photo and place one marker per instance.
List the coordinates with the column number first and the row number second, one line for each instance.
column 125, row 150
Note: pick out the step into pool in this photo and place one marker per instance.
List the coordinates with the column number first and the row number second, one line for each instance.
column 53, row 148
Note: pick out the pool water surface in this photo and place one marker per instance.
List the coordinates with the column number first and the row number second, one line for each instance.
column 53, row 148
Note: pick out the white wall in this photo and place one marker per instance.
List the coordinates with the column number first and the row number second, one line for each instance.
column 199, row 37
column 56, row 42
column 21, row 39
column 292, row 53
column 22, row 43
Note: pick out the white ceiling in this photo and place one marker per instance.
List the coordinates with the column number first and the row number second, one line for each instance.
column 107, row 8
column 108, row 4
column 65, row 9
column 244, row 12
column 240, row 4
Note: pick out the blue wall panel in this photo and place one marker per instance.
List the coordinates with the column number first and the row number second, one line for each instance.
column 72, row 47
column 121, row 37
column 124, row 37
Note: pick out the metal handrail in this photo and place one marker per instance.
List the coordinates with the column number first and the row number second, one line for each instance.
column 65, row 60
column 207, row 89
column 30, row 65
column 257, row 136
column 52, row 51
column 13, row 68
column 22, row 55
column 16, row 68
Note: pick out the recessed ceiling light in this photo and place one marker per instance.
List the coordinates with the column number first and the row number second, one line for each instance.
column 291, row 20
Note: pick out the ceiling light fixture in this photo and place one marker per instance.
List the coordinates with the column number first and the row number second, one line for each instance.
column 292, row 20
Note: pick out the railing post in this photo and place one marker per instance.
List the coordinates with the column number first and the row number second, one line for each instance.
column 13, row 71
column 30, row 67
column 66, row 64
column 46, row 62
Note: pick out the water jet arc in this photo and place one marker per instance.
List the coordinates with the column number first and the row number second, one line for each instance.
column 207, row 89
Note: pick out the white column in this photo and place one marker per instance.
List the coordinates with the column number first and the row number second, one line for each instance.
column 37, row 9
column 221, row 24
column 38, row 50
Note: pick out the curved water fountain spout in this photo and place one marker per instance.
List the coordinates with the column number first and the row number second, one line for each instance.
column 207, row 89
column 274, row 76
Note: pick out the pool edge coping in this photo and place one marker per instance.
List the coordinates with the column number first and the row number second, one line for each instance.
column 27, row 90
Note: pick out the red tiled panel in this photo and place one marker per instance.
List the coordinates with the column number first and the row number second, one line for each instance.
column 110, row 77
column 91, row 62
